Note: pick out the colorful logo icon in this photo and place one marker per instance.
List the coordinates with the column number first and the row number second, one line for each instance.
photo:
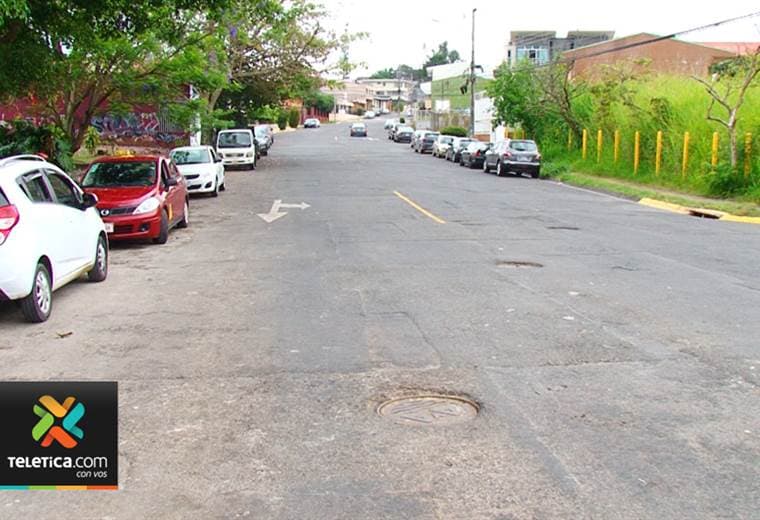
column 46, row 430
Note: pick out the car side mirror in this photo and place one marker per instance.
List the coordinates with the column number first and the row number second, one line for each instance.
column 171, row 181
column 218, row 159
column 89, row 200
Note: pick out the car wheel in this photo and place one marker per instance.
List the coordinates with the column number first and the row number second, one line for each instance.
column 498, row 169
column 99, row 271
column 535, row 174
column 222, row 187
column 185, row 216
column 215, row 193
column 37, row 306
column 485, row 167
column 163, row 230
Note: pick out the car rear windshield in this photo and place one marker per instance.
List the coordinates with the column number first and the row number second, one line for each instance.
column 523, row 146
column 446, row 139
column 199, row 156
column 119, row 174
column 431, row 134
column 403, row 129
column 234, row 140
column 261, row 131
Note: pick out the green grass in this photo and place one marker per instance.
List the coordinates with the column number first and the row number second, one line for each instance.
column 636, row 192
column 449, row 89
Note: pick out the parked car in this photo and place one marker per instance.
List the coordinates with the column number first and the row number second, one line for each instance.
column 393, row 128
column 237, row 148
column 369, row 114
column 441, row 145
column 358, row 130
column 312, row 122
column 389, row 124
column 201, row 167
column 425, row 143
column 454, row 152
column 403, row 134
column 50, row 234
column 415, row 137
column 514, row 156
column 474, row 155
column 139, row 197
column 264, row 138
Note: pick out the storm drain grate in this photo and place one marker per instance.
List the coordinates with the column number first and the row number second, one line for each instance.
column 518, row 264
column 428, row 410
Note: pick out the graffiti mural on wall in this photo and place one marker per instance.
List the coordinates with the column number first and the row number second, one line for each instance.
column 136, row 128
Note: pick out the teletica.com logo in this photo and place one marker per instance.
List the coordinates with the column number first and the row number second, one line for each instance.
column 46, row 430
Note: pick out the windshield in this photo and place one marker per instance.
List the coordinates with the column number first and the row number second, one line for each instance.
column 445, row 139
column 198, row 156
column 234, row 140
column 405, row 129
column 262, row 131
column 108, row 175
column 464, row 142
column 523, row 146
column 431, row 134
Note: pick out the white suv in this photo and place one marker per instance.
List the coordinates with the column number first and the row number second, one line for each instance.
column 50, row 234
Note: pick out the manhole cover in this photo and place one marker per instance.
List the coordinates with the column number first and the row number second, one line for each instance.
column 429, row 410
column 517, row 263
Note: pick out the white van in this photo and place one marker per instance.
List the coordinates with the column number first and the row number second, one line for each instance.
column 237, row 147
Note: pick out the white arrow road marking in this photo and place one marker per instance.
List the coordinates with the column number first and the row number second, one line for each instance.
column 275, row 212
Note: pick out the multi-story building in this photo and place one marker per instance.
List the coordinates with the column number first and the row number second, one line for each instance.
column 540, row 47
column 372, row 94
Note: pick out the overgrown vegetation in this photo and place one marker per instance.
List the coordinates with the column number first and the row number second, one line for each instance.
column 456, row 131
column 554, row 110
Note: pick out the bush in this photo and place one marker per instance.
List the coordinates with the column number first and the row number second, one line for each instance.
column 294, row 117
column 402, row 121
column 725, row 182
column 456, row 131
column 282, row 120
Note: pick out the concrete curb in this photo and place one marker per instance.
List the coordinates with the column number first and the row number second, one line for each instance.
column 697, row 212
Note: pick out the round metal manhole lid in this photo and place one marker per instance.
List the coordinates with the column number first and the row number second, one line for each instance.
column 427, row 410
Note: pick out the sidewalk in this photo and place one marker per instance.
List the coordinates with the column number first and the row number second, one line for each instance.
column 668, row 200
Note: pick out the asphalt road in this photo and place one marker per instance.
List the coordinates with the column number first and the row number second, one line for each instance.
column 618, row 379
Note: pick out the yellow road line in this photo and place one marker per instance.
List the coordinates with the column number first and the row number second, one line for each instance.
column 419, row 208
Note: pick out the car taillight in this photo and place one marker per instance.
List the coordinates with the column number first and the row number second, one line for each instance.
column 507, row 155
column 8, row 219
column 538, row 157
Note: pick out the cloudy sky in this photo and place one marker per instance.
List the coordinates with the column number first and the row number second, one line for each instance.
column 406, row 31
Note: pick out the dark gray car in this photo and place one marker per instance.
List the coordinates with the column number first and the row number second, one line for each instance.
column 514, row 156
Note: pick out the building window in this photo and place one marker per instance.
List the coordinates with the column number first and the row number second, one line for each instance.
column 536, row 55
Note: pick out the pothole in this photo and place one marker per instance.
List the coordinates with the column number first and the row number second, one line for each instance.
column 429, row 410
column 705, row 213
column 518, row 264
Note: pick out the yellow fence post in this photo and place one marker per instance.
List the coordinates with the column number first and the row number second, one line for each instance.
column 658, row 154
column 617, row 146
column 569, row 138
column 685, row 161
column 599, row 146
column 747, row 154
column 636, row 152
column 715, row 140
column 584, row 146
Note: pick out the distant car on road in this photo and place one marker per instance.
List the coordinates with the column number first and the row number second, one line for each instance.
column 389, row 124
column 50, row 234
column 454, row 153
column 358, row 130
column 369, row 115
column 312, row 122
column 403, row 134
column 426, row 141
column 264, row 138
column 474, row 155
column 201, row 167
column 237, row 148
column 139, row 197
column 514, row 156
column 441, row 145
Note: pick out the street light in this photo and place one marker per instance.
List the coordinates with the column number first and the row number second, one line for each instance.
column 472, row 79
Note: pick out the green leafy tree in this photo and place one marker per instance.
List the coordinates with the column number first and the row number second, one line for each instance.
column 441, row 56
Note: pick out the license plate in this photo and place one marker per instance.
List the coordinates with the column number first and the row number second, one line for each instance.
column 524, row 159
column 109, row 227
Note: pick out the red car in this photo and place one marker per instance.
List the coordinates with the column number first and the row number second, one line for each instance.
column 139, row 197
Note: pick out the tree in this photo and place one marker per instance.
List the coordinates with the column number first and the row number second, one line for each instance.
column 441, row 56
column 74, row 58
column 727, row 90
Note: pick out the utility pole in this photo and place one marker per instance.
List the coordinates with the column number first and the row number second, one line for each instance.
column 472, row 79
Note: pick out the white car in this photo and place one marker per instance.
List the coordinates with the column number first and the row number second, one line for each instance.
column 237, row 147
column 369, row 115
column 201, row 167
column 50, row 234
column 441, row 145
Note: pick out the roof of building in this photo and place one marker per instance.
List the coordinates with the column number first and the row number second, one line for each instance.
column 636, row 40
column 738, row 48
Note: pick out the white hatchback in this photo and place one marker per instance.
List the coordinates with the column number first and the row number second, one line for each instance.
column 201, row 167
column 50, row 234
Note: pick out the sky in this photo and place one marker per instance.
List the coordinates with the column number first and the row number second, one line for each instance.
column 407, row 31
